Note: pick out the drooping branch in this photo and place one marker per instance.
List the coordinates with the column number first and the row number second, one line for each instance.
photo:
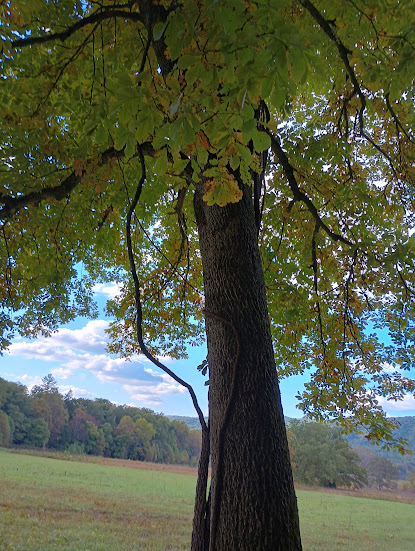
column 109, row 12
column 399, row 126
column 139, row 312
column 314, row 264
column 300, row 195
column 199, row 520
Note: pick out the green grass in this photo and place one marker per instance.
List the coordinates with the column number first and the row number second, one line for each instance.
column 49, row 504
column 337, row 522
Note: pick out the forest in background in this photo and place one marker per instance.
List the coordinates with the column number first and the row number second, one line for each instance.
column 45, row 418
column 320, row 454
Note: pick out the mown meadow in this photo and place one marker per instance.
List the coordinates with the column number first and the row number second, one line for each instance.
column 54, row 504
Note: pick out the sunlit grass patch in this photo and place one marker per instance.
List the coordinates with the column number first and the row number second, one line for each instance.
column 341, row 522
column 48, row 504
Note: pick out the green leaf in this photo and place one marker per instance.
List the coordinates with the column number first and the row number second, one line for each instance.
column 187, row 132
column 158, row 30
column 261, row 140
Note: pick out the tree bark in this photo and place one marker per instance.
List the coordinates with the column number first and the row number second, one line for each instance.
column 253, row 503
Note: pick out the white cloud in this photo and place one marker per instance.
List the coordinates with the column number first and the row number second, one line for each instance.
column 406, row 404
column 77, row 392
column 389, row 368
column 61, row 373
column 110, row 290
column 83, row 350
column 91, row 339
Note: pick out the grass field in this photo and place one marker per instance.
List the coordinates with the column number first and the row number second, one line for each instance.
column 50, row 504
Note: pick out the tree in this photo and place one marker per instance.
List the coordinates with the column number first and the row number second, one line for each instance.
column 49, row 386
column 78, row 424
column 39, row 433
column 4, row 429
column 382, row 473
column 116, row 115
column 95, row 441
column 322, row 457
column 411, row 480
column 49, row 405
column 123, row 437
column 143, row 433
column 16, row 405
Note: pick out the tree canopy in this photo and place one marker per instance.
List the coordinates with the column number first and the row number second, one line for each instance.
column 321, row 457
column 116, row 116
column 78, row 104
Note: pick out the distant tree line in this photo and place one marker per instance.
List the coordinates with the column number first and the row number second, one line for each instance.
column 320, row 456
column 45, row 418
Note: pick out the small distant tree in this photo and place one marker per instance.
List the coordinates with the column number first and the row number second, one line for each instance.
column 95, row 440
column 49, row 405
column 108, row 436
column 382, row 473
column 323, row 457
column 144, row 433
column 78, row 425
column 17, row 406
column 123, row 437
column 411, row 480
column 4, row 429
column 39, row 434
column 49, row 385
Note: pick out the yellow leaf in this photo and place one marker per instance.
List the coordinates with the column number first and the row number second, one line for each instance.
column 222, row 191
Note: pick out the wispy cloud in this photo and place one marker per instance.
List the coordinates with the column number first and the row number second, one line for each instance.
column 77, row 392
column 83, row 350
column 406, row 404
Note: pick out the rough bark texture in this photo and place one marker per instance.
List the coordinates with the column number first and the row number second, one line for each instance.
column 253, row 505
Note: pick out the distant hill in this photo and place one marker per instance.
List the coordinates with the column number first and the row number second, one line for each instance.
column 193, row 422
column 406, row 463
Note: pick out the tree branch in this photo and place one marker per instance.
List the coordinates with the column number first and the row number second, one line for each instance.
column 200, row 516
column 108, row 12
column 300, row 195
column 344, row 56
column 343, row 52
column 9, row 205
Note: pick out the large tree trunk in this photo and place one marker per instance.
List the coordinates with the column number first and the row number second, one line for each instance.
column 253, row 503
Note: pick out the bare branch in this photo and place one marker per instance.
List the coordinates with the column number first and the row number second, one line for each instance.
column 200, row 517
column 109, row 12
column 315, row 279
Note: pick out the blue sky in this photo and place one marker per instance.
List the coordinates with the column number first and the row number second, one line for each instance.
column 76, row 357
